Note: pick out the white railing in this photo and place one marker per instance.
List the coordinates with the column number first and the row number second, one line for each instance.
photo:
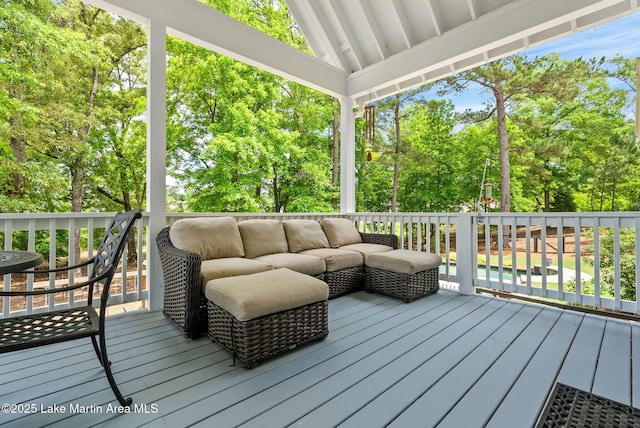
column 582, row 258
column 53, row 236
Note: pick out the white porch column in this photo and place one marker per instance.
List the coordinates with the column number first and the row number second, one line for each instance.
column 347, row 156
column 464, row 253
column 156, row 154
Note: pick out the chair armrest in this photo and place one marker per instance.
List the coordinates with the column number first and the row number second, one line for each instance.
column 380, row 238
column 60, row 269
column 182, row 283
column 75, row 286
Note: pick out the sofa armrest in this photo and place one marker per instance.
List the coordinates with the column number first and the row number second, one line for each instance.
column 183, row 297
column 380, row 238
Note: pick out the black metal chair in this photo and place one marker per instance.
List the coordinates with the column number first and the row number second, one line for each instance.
column 29, row 331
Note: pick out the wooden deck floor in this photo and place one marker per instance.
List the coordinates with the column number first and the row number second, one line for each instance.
column 446, row 360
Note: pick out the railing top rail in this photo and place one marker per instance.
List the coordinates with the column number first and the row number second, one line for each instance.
column 47, row 216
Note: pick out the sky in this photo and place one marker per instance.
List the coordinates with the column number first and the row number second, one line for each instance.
column 619, row 37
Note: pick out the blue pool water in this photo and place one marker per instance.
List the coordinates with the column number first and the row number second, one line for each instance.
column 494, row 273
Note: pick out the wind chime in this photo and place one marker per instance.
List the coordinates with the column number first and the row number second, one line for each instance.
column 370, row 127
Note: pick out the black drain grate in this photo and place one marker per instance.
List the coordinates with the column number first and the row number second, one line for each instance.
column 571, row 407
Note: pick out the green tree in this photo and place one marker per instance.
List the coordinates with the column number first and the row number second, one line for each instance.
column 431, row 181
column 391, row 113
column 241, row 139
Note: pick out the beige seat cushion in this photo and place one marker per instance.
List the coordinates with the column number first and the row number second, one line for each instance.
column 209, row 237
column 265, row 293
column 404, row 261
column 232, row 266
column 310, row 265
column 340, row 231
column 304, row 235
column 366, row 249
column 262, row 237
column 337, row 259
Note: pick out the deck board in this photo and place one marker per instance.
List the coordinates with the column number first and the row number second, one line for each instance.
column 448, row 360
column 580, row 365
column 614, row 363
column 527, row 396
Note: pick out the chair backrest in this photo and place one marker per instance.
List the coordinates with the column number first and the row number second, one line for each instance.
column 113, row 244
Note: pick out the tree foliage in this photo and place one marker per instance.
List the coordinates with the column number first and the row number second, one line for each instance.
column 73, row 134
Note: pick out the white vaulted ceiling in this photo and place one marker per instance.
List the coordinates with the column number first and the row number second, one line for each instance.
column 386, row 46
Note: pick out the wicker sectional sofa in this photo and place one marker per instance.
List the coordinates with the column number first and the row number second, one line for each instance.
column 194, row 251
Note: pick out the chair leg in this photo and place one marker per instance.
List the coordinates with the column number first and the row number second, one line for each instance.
column 101, row 351
column 97, row 349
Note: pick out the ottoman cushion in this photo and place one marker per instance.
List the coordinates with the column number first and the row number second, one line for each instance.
column 251, row 296
column 403, row 261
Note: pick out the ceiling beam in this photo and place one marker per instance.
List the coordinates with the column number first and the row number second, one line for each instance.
column 373, row 29
column 337, row 48
column 433, row 13
column 507, row 25
column 473, row 9
column 317, row 37
column 404, row 26
column 350, row 37
column 204, row 26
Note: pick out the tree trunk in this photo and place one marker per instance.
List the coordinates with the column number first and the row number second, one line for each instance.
column 505, row 167
column 547, row 200
column 20, row 154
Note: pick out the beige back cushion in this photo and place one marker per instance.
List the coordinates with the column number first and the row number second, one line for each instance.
column 261, row 237
column 340, row 231
column 304, row 235
column 210, row 237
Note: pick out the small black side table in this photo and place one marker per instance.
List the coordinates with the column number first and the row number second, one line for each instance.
column 15, row 261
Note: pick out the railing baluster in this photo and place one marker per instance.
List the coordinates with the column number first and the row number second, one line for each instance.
column 71, row 259
column 596, row 261
column 577, row 225
column 637, row 259
column 52, row 260
column 559, row 261
column 527, row 225
column 616, row 264
column 31, row 246
column 8, row 242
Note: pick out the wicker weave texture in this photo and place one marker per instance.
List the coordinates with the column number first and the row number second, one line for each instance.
column 255, row 340
column 402, row 285
column 344, row 281
column 184, row 302
column 380, row 238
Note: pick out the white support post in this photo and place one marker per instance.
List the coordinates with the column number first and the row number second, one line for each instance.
column 347, row 156
column 464, row 253
column 156, row 155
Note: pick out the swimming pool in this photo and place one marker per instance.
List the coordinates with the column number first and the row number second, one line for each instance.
column 494, row 273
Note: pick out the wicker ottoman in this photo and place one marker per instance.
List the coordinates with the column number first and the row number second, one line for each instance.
column 402, row 273
column 263, row 314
